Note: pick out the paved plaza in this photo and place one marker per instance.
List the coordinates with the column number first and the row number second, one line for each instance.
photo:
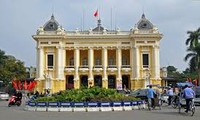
column 167, row 113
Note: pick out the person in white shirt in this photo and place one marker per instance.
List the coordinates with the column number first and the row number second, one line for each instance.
column 170, row 93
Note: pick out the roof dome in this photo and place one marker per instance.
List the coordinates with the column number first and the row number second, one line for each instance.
column 51, row 25
column 144, row 24
column 99, row 28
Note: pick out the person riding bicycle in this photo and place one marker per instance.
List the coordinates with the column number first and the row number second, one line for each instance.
column 188, row 94
column 150, row 96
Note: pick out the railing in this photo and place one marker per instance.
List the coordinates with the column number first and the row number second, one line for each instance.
column 98, row 66
column 70, row 66
column 126, row 66
column 112, row 66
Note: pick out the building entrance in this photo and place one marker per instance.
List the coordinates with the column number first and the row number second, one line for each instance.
column 84, row 81
column 69, row 82
column 111, row 81
column 125, row 82
column 98, row 80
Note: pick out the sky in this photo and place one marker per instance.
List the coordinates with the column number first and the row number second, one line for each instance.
column 20, row 19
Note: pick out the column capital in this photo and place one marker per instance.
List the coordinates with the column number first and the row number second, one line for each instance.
column 60, row 47
column 90, row 48
column 104, row 48
column 76, row 48
column 119, row 47
column 39, row 47
column 156, row 46
column 136, row 47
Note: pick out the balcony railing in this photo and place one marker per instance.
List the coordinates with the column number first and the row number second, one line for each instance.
column 83, row 66
column 112, row 66
column 69, row 66
column 98, row 66
column 126, row 66
column 50, row 67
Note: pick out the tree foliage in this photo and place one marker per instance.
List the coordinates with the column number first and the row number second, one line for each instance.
column 193, row 50
column 11, row 68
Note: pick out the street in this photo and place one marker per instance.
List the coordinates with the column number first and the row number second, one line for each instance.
column 167, row 113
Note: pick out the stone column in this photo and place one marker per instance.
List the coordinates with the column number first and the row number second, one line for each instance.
column 105, row 64
column 91, row 64
column 156, row 62
column 136, row 62
column 119, row 63
column 77, row 64
column 40, row 63
column 132, row 64
column 59, row 63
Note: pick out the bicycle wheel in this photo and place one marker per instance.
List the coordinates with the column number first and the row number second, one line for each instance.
column 192, row 111
column 179, row 108
column 174, row 105
column 192, row 108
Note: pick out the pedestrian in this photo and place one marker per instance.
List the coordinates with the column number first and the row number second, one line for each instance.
column 150, row 96
column 170, row 94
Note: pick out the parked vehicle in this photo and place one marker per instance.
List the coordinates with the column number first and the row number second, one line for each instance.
column 197, row 98
column 14, row 101
column 140, row 93
column 4, row 96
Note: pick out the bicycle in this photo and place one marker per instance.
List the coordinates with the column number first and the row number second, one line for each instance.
column 192, row 107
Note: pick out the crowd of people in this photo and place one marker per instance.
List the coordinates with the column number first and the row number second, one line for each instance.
column 185, row 92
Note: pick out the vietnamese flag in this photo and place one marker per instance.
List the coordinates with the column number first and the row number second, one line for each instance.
column 14, row 83
column 19, row 84
column 32, row 85
column 25, row 85
column 29, row 86
column 96, row 13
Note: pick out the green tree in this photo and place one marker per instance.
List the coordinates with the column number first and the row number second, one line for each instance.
column 11, row 68
column 172, row 72
column 193, row 57
column 194, row 37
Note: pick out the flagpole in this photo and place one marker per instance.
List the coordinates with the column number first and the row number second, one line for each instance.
column 111, row 19
column 83, row 19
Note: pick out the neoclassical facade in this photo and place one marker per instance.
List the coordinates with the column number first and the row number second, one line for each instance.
column 97, row 57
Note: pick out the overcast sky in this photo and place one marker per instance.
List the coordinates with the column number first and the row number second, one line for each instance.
column 19, row 20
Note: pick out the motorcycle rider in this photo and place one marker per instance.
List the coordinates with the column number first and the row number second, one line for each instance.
column 18, row 95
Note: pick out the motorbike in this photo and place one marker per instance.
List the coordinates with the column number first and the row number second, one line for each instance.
column 14, row 101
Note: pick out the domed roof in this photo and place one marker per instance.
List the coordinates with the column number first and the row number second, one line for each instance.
column 144, row 23
column 99, row 28
column 51, row 25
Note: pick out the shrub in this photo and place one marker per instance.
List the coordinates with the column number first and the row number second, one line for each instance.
column 94, row 94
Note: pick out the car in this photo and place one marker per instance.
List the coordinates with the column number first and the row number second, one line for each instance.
column 140, row 93
column 197, row 97
column 4, row 96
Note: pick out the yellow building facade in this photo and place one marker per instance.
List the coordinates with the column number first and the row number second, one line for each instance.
column 97, row 57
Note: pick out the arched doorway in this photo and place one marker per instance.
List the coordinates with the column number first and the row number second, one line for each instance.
column 125, row 81
column 69, row 82
column 84, row 81
column 98, row 80
column 111, row 81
